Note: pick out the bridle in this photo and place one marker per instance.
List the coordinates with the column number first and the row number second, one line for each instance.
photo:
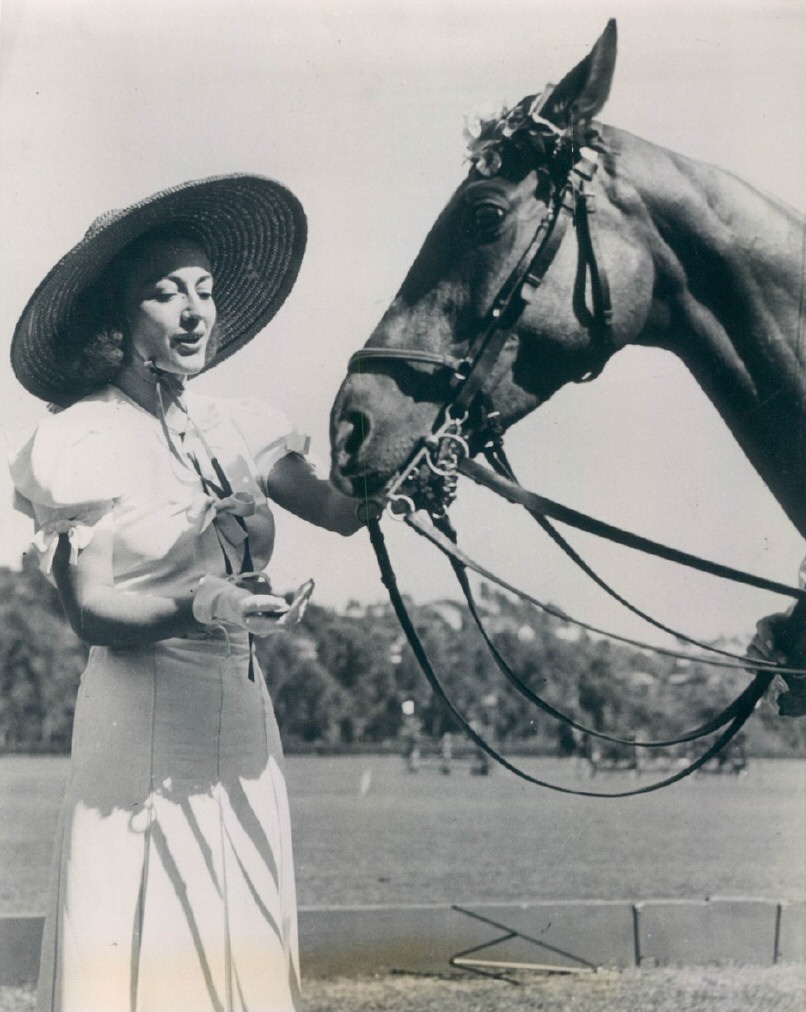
column 573, row 203
column 427, row 482
column 468, row 418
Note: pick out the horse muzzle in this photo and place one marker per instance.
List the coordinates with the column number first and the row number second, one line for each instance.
column 374, row 431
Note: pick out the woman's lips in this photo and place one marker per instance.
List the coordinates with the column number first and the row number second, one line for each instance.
column 187, row 342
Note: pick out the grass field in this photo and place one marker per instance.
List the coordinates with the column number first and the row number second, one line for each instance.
column 365, row 831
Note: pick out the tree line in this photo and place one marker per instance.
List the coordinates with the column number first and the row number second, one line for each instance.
column 348, row 679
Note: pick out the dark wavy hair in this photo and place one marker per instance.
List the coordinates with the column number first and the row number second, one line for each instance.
column 97, row 342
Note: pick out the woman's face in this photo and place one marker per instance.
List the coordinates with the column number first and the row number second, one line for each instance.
column 168, row 304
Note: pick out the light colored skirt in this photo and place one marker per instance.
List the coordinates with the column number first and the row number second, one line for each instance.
column 173, row 882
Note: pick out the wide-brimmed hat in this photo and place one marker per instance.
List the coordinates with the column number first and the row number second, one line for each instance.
column 252, row 229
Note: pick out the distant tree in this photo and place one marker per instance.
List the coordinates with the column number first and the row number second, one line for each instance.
column 311, row 705
column 343, row 678
column 40, row 663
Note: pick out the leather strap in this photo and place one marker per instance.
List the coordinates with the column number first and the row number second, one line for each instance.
column 472, row 372
column 735, row 661
column 602, row 322
column 722, row 718
column 358, row 358
column 539, row 506
column 758, row 687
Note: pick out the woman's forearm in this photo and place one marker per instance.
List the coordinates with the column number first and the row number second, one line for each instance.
column 101, row 615
column 294, row 484
column 117, row 618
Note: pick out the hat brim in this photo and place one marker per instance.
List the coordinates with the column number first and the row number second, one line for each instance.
column 253, row 230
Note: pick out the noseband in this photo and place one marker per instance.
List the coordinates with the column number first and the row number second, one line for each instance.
column 469, row 376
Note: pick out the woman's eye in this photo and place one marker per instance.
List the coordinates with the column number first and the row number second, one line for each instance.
column 485, row 221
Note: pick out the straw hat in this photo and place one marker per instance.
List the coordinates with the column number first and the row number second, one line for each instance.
column 252, row 229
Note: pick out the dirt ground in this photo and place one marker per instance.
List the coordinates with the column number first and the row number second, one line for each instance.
column 690, row 989
column 775, row 989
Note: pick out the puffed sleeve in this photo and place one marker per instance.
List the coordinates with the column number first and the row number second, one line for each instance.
column 67, row 479
column 268, row 433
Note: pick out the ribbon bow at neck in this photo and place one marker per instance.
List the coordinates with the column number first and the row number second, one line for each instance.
column 222, row 513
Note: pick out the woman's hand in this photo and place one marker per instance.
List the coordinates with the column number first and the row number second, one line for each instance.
column 223, row 602
column 263, row 614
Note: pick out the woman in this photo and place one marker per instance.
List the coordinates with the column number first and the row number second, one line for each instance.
column 173, row 882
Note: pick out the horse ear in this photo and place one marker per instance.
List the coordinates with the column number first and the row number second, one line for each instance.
column 583, row 92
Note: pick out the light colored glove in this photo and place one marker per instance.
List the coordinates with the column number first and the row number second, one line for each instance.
column 222, row 602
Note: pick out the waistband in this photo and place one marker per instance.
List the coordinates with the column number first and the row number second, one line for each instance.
column 232, row 642
column 212, row 634
column 216, row 642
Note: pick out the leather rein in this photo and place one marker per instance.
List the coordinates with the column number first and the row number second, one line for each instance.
column 427, row 484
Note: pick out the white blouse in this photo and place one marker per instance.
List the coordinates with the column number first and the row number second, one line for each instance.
column 105, row 462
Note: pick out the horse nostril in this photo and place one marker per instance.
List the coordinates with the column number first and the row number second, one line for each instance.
column 357, row 425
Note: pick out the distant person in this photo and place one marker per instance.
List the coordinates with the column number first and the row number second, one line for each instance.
column 173, row 883
column 480, row 765
column 412, row 734
column 446, row 753
column 569, row 741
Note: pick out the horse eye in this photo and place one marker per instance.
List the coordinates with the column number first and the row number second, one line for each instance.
column 485, row 221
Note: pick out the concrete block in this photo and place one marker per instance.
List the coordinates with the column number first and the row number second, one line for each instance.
column 351, row 940
column 20, row 942
column 567, row 934
column 791, row 939
column 374, row 939
column 697, row 932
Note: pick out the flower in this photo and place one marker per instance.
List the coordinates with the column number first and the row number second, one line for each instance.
column 488, row 161
column 488, row 129
column 476, row 121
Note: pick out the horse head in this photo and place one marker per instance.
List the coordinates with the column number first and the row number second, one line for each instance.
column 567, row 241
column 468, row 279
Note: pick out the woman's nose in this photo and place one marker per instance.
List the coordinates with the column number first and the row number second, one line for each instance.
column 191, row 312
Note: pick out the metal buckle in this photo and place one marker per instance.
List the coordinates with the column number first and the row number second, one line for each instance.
column 406, row 504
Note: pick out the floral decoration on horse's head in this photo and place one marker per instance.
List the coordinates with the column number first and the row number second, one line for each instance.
column 489, row 131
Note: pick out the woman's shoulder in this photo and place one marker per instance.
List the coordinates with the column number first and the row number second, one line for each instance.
column 265, row 431
column 76, row 454
column 258, row 422
column 104, row 413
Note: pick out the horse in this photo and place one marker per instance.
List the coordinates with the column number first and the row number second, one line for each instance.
column 502, row 308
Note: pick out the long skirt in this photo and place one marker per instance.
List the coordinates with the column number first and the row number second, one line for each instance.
column 173, row 882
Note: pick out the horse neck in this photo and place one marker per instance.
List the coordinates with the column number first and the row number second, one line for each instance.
column 729, row 301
